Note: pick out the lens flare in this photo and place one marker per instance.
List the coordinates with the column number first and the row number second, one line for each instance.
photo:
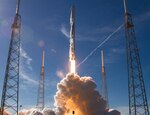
column 72, row 66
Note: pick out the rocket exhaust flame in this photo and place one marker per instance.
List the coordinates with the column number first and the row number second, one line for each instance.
column 73, row 66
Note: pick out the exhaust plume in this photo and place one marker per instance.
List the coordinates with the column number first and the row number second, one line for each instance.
column 73, row 66
column 79, row 94
column 75, row 95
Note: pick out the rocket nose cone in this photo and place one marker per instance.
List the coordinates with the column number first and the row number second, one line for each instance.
column 72, row 12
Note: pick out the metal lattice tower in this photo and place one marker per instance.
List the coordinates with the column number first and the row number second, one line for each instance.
column 103, row 82
column 10, row 94
column 40, row 99
column 138, row 104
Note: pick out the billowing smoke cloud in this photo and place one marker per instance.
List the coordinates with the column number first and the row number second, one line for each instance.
column 76, row 95
column 5, row 112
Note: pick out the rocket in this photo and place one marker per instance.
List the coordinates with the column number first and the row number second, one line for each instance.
column 72, row 35
column 125, row 6
column 18, row 7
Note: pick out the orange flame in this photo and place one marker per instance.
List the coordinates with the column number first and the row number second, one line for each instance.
column 71, row 106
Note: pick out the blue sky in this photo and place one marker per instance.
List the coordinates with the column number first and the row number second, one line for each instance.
column 45, row 25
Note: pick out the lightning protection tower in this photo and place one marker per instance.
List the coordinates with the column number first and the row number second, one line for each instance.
column 40, row 99
column 103, row 82
column 10, row 94
column 137, row 95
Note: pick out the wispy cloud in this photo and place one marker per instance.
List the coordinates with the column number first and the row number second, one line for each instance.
column 114, row 55
column 60, row 74
column 25, row 58
column 26, row 68
column 79, row 37
column 64, row 31
column 103, row 30
column 94, row 35
column 53, row 50
column 143, row 17
column 26, row 77
column 117, row 50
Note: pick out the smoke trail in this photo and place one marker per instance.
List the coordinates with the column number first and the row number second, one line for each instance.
column 105, row 40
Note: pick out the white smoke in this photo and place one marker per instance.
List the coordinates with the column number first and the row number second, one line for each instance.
column 79, row 94
column 74, row 94
column 5, row 112
column 35, row 111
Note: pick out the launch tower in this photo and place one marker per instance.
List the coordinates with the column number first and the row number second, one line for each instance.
column 40, row 99
column 137, row 95
column 10, row 94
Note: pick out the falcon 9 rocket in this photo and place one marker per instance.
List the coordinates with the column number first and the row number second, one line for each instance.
column 72, row 56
